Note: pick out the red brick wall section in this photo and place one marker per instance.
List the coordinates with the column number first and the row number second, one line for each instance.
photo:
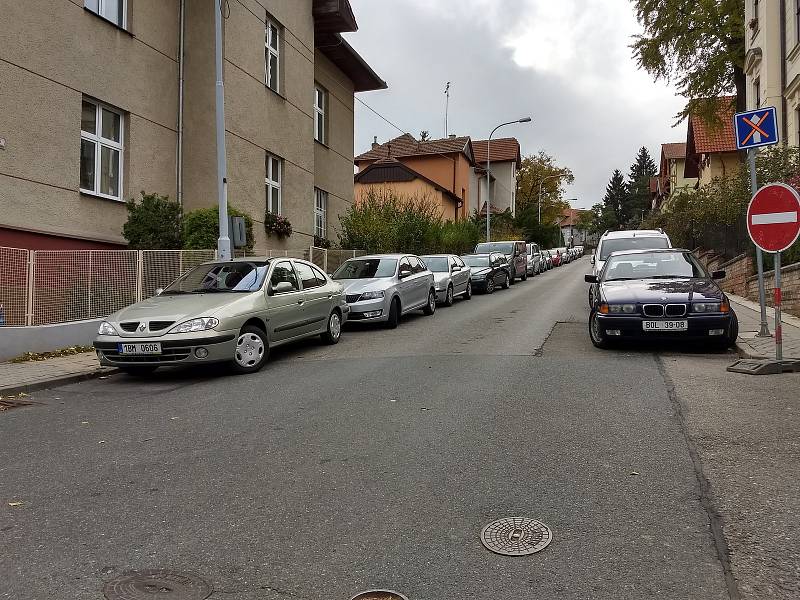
column 790, row 288
column 736, row 270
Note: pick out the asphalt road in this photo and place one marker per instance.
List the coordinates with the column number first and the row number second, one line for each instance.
column 374, row 463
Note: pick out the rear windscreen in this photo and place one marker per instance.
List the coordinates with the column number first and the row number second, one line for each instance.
column 633, row 243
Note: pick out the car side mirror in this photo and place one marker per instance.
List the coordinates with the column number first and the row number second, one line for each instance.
column 718, row 274
column 159, row 291
column 281, row 287
column 403, row 273
column 591, row 278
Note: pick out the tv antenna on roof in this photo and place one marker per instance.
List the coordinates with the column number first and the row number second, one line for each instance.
column 446, row 106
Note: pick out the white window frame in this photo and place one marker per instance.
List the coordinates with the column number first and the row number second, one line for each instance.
column 271, row 182
column 269, row 51
column 100, row 12
column 322, row 111
column 320, row 213
column 99, row 141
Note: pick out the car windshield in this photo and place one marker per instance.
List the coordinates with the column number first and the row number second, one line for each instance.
column 366, row 268
column 632, row 243
column 220, row 277
column 476, row 261
column 652, row 265
column 504, row 247
column 437, row 264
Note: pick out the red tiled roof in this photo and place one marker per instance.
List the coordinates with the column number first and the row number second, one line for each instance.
column 408, row 145
column 571, row 216
column 721, row 139
column 677, row 150
column 503, row 150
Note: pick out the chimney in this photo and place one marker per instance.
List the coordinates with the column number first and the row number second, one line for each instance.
column 452, row 136
column 375, row 143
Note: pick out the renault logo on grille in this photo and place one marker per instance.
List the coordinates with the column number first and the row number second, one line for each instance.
column 142, row 326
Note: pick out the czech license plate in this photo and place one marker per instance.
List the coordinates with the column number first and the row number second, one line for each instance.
column 665, row 325
column 140, row 348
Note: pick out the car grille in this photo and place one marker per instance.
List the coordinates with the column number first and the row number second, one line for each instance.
column 675, row 310
column 350, row 298
column 168, row 355
column 653, row 310
column 159, row 325
column 130, row 326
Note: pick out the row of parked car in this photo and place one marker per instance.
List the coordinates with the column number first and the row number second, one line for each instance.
column 236, row 311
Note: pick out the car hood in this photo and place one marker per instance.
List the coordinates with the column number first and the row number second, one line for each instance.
column 359, row 286
column 179, row 308
column 661, row 291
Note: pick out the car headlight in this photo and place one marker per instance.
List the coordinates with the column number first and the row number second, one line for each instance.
column 201, row 324
column 106, row 328
column 373, row 295
column 707, row 307
column 626, row 309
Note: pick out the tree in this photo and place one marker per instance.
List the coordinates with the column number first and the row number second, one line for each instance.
column 424, row 135
column 201, row 228
column 613, row 212
column 532, row 171
column 642, row 169
column 698, row 45
column 154, row 223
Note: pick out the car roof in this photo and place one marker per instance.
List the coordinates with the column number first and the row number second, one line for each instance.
column 481, row 253
column 382, row 256
column 634, row 233
column 435, row 255
column 644, row 251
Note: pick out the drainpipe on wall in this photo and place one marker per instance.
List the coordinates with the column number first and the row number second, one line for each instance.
column 179, row 157
column 784, row 126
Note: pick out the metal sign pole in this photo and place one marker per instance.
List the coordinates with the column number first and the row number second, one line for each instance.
column 778, row 328
column 762, row 301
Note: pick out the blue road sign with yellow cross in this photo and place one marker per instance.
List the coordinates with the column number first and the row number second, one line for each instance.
column 756, row 128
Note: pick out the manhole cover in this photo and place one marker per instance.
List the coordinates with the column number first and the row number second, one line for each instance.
column 516, row 536
column 166, row 585
column 379, row 595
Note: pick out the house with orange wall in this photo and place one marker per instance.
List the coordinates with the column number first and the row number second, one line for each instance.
column 442, row 168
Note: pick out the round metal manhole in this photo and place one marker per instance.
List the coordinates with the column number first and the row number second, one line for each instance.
column 379, row 595
column 165, row 585
column 516, row 536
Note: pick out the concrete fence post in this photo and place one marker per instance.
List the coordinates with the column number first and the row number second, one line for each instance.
column 139, row 274
column 30, row 285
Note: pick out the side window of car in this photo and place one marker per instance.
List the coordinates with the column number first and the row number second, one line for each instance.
column 460, row 262
column 307, row 276
column 453, row 262
column 404, row 265
column 417, row 265
column 321, row 279
column 283, row 272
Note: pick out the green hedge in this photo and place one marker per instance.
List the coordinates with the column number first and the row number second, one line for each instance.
column 201, row 228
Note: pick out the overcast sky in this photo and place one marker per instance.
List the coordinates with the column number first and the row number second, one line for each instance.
column 565, row 63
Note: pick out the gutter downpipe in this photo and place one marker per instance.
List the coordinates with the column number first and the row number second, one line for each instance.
column 181, row 44
column 784, row 125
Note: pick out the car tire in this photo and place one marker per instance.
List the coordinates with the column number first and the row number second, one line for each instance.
column 596, row 334
column 139, row 371
column 733, row 332
column 490, row 285
column 468, row 291
column 448, row 297
column 252, row 350
column 512, row 279
column 394, row 314
column 333, row 333
column 525, row 276
column 507, row 282
column 430, row 307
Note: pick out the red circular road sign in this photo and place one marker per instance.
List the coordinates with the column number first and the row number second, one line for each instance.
column 773, row 217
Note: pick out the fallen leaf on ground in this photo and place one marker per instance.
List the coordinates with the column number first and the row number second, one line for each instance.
column 634, row 473
column 16, row 503
column 101, row 442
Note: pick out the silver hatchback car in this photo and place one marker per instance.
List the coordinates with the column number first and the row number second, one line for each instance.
column 382, row 287
column 452, row 277
column 232, row 311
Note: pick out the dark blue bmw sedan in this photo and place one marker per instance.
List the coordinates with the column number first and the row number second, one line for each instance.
column 659, row 294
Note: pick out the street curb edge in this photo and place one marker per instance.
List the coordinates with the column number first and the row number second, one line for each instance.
column 56, row 382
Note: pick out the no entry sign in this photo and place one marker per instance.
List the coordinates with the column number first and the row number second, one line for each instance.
column 773, row 217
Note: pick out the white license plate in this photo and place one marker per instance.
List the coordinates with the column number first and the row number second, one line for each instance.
column 665, row 325
column 140, row 348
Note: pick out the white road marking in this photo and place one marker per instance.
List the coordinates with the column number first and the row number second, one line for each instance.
column 773, row 218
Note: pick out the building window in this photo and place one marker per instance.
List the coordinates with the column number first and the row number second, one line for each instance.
column 320, row 213
column 274, row 167
column 320, row 114
column 101, row 150
column 757, row 92
column 111, row 10
column 272, row 56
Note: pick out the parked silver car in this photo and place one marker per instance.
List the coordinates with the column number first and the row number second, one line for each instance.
column 233, row 311
column 535, row 259
column 383, row 287
column 451, row 277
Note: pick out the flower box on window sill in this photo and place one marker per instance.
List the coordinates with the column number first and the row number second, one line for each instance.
column 277, row 225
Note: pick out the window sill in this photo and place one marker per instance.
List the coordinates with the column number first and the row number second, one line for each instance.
column 794, row 52
column 278, row 94
column 102, row 18
column 323, row 144
column 91, row 194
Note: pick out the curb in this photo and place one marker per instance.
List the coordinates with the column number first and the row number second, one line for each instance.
column 745, row 350
column 27, row 388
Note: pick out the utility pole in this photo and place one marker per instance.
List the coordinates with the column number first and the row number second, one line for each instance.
column 446, row 106
column 224, row 242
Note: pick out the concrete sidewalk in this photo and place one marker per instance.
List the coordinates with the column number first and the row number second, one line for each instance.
column 34, row 375
column 751, row 346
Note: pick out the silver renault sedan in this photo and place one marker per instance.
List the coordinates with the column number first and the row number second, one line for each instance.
column 450, row 275
column 382, row 287
column 233, row 311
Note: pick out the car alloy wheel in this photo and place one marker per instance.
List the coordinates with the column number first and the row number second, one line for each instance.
column 334, row 332
column 251, row 350
column 506, row 282
column 468, row 292
column 430, row 308
column 448, row 299
column 490, row 285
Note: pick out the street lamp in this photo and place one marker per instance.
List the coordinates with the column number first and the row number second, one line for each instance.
column 556, row 176
column 489, row 172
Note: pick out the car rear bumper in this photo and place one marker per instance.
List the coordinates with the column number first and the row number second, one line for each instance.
column 174, row 350
column 699, row 327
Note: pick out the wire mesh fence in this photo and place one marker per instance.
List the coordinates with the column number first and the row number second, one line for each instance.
column 43, row 287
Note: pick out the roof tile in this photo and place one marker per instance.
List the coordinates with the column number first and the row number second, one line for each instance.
column 408, row 145
column 503, row 149
column 722, row 139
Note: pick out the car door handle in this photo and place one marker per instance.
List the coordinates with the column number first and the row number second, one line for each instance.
column 300, row 301
column 330, row 296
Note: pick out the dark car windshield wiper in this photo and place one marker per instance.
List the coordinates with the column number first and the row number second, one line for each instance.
column 667, row 277
column 624, row 279
column 173, row 292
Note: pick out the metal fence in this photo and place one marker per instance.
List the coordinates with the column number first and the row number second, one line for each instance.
column 42, row 287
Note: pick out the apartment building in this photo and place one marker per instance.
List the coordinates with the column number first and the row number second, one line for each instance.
column 505, row 160
column 772, row 61
column 105, row 98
